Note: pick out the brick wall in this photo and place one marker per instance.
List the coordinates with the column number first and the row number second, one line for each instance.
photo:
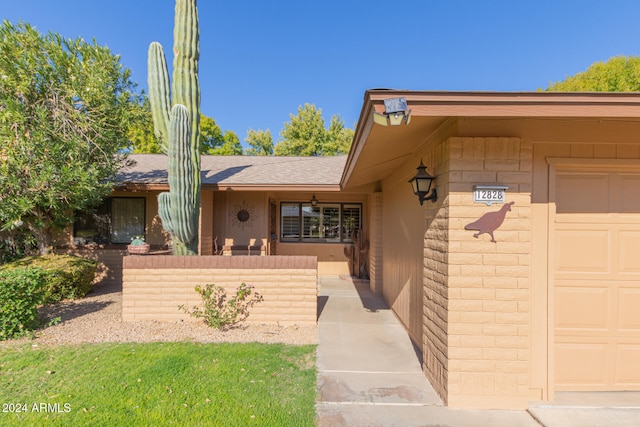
column 154, row 286
column 435, row 273
column 477, row 291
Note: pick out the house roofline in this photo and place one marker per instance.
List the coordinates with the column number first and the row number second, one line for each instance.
column 272, row 187
column 494, row 105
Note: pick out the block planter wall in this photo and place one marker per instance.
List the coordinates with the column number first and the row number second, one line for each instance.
column 154, row 286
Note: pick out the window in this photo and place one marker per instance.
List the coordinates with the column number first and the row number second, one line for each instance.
column 116, row 220
column 323, row 223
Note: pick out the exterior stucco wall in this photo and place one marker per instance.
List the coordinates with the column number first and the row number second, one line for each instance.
column 403, row 234
column 251, row 232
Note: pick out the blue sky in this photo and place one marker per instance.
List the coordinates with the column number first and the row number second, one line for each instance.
column 260, row 60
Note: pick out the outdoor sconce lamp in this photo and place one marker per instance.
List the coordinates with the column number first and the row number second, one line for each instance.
column 421, row 184
column 395, row 112
column 314, row 201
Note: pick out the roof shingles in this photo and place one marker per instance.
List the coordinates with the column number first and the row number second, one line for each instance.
column 242, row 170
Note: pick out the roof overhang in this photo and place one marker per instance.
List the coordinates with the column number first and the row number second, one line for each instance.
column 378, row 150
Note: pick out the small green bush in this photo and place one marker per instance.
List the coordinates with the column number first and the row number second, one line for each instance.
column 21, row 291
column 16, row 244
column 219, row 313
column 65, row 276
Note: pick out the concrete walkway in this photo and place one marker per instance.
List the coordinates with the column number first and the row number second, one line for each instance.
column 589, row 409
column 370, row 374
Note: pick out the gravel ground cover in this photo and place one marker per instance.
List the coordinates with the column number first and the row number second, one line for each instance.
column 98, row 318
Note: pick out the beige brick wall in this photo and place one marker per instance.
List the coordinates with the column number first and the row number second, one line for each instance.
column 476, row 299
column 435, row 272
column 154, row 286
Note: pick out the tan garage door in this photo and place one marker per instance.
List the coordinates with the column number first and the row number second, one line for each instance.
column 596, row 274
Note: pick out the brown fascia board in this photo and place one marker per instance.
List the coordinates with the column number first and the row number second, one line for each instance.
column 514, row 104
column 272, row 187
column 237, row 187
column 132, row 186
column 492, row 104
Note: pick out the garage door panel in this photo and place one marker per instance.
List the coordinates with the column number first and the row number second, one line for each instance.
column 627, row 373
column 630, row 252
column 583, row 309
column 629, row 311
column 582, row 192
column 581, row 250
column 580, row 364
column 628, row 191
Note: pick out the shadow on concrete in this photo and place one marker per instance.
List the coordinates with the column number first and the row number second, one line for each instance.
column 322, row 301
column 371, row 302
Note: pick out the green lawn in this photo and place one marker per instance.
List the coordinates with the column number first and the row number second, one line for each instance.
column 158, row 384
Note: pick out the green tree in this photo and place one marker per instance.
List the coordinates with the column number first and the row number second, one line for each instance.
column 213, row 140
column 210, row 134
column 305, row 135
column 339, row 137
column 66, row 107
column 141, row 136
column 260, row 143
column 618, row 74
column 231, row 146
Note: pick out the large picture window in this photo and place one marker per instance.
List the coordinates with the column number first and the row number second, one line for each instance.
column 116, row 220
column 323, row 223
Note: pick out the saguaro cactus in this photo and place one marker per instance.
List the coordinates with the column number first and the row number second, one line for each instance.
column 178, row 127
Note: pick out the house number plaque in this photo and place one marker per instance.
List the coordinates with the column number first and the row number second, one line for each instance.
column 489, row 194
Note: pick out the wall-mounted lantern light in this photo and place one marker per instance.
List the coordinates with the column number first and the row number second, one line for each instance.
column 314, row 201
column 421, row 184
column 395, row 112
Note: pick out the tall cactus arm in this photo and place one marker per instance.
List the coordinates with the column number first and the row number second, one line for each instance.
column 164, row 210
column 181, row 176
column 186, row 52
column 159, row 95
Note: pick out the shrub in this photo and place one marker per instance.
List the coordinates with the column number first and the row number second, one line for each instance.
column 65, row 276
column 16, row 244
column 21, row 291
column 219, row 313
